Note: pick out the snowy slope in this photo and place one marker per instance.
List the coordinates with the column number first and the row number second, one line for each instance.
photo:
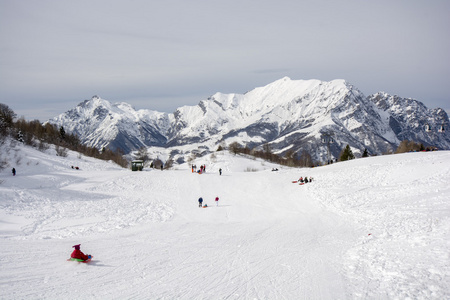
column 371, row 228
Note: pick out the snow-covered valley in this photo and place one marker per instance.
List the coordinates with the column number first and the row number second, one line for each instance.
column 372, row 228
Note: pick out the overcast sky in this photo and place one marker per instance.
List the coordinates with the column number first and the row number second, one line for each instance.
column 160, row 55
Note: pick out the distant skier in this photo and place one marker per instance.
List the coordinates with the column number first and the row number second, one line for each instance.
column 220, row 171
column 217, row 201
column 77, row 254
column 200, row 202
column 13, row 171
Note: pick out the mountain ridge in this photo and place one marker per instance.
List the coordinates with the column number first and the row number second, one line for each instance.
column 286, row 114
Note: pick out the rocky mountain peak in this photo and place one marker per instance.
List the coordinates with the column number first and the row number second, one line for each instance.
column 286, row 114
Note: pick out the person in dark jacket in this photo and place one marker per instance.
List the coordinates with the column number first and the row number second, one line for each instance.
column 14, row 171
column 200, row 202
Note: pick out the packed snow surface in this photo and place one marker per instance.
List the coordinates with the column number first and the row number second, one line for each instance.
column 372, row 228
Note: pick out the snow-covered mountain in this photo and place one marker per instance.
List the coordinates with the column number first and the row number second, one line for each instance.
column 101, row 124
column 286, row 114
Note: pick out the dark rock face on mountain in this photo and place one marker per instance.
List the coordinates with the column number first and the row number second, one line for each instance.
column 296, row 115
column 408, row 118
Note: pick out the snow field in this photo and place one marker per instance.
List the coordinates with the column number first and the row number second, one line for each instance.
column 365, row 229
column 404, row 206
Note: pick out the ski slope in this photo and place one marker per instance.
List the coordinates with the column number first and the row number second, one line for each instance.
column 372, row 228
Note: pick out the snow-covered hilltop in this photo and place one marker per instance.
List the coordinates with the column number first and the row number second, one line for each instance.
column 287, row 114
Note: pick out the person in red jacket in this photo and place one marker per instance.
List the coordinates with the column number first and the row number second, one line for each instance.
column 77, row 254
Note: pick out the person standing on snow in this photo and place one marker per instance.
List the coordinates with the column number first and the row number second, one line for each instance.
column 13, row 171
column 220, row 171
column 77, row 254
column 200, row 202
column 217, row 201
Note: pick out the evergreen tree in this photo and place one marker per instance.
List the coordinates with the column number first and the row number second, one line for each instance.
column 366, row 153
column 62, row 132
column 7, row 116
column 346, row 154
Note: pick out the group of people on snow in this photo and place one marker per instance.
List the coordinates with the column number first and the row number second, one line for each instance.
column 200, row 202
column 305, row 180
column 200, row 171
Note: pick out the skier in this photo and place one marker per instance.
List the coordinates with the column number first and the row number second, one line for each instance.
column 77, row 254
column 220, row 171
column 217, row 201
column 14, row 171
column 200, row 201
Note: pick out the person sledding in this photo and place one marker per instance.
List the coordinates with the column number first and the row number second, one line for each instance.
column 77, row 255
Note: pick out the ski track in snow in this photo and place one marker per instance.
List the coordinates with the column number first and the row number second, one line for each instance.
column 365, row 229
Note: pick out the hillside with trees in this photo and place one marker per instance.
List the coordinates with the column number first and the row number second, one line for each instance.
column 35, row 134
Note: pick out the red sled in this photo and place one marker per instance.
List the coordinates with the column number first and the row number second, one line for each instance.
column 295, row 181
column 80, row 260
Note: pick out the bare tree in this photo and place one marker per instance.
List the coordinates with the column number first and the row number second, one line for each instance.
column 235, row 147
column 306, row 160
column 142, row 154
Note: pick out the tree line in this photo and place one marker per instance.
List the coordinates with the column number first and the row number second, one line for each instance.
column 290, row 158
column 304, row 159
